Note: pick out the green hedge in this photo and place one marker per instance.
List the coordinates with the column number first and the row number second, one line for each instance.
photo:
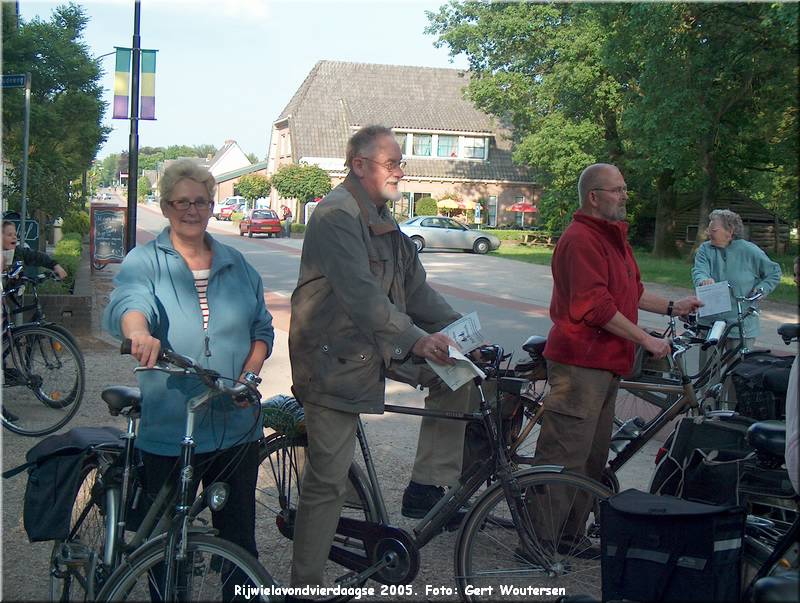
column 76, row 222
column 510, row 235
column 300, row 228
column 237, row 217
column 67, row 253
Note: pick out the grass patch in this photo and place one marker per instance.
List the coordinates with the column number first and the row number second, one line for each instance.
column 674, row 272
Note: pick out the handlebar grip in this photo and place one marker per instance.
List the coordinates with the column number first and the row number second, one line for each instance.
column 125, row 348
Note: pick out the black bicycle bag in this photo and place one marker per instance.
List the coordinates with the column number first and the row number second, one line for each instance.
column 760, row 383
column 54, row 473
column 662, row 548
column 723, row 432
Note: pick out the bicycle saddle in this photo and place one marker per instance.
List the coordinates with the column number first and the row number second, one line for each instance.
column 768, row 436
column 119, row 397
column 789, row 331
column 534, row 344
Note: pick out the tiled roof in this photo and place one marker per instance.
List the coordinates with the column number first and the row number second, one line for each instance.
column 337, row 97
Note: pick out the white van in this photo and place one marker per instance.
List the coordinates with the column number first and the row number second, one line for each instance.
column 229, row 201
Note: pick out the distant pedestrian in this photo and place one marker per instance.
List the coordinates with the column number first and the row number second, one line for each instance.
column 726, row 256
column 287, row 218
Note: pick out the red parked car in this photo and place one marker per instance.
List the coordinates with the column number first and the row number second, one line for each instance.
column 227, row 210
column 260, row 221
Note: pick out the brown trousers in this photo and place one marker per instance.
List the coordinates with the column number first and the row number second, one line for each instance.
column 331, row 443
column 576, row 433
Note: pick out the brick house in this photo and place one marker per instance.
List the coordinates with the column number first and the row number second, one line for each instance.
column 450, row 146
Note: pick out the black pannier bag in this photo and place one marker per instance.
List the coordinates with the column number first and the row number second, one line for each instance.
column 725, row 433
column 760, row 382
column 662, row 548
column 54, row 472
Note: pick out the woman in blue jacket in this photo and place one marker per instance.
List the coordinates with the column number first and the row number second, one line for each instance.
column 728, row 257
column 186, row 292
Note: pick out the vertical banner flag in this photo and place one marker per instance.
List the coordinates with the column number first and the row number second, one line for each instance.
column 122, row 74
column 148, row 85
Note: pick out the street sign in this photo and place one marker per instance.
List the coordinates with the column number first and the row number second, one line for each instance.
column 14, row 81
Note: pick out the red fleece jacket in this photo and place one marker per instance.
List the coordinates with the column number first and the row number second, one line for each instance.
column 594, row 276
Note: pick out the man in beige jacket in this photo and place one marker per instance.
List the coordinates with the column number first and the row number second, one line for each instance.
column 362, row 308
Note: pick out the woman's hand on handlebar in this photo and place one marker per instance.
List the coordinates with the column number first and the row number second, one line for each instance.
column 145, row 348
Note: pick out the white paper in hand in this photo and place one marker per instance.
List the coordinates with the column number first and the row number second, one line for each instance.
column 459, row 373
column 716, row 298
column 466, row 332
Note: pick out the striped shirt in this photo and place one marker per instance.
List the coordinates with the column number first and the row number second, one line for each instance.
column 201, row 284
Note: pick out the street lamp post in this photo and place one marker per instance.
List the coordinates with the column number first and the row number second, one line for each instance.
column 133, row 142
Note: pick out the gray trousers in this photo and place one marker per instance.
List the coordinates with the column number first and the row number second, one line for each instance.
column 331, row 443
column 576, row 433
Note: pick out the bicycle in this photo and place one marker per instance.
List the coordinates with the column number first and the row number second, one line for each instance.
column 711, row 376
column 41, row 361
column 499, row 542
column 169, row 557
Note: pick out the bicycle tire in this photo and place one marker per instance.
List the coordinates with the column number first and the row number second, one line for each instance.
column 489, row 538
column 281, row 463
column 223, row 564
column 78, row 559
column 52, row 372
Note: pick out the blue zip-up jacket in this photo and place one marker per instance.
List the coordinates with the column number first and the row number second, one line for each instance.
column 745, row 266
column 156, row 281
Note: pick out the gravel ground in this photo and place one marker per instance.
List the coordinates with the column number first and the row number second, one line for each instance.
column 392, row 439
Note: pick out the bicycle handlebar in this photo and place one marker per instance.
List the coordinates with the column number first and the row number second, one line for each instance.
column 212, row 379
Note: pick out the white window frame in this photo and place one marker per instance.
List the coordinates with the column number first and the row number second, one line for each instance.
column 462, row 147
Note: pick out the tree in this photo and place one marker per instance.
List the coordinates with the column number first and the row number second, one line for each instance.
column 253, row 186
column 301, row 181
column 252, row 157
column 67, row 110
column 426, row 206
column 143, row 188
column 683, row 97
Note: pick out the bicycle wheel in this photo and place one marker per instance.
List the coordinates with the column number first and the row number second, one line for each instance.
column 77, row 561
column 44, row 381
column 219, row 571
column 560, row 508
column 283, row 460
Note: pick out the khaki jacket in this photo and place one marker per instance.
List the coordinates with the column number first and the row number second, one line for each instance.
column 360, row 304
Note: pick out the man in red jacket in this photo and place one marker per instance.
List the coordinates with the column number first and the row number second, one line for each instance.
column 597, row 291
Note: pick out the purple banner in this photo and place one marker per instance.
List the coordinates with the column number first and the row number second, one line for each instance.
column 120, row 107
column 148, row 109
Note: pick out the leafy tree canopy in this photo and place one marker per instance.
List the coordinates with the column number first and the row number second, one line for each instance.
column 66, row 130
column 684, row 97
column 253, row 186
column 302, row 182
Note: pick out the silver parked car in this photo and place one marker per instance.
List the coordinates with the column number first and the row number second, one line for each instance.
column 437, row 232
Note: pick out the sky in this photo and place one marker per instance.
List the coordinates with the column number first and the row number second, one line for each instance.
column 225, row 69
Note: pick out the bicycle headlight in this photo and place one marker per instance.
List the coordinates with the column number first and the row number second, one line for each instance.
column 217, row 495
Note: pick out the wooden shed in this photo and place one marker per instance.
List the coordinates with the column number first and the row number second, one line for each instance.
column 761, row 226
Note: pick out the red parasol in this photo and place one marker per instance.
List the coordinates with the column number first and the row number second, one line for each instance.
column 524, row 208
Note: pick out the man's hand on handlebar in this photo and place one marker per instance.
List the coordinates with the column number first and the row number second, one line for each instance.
column 687, row 305
column 434, row 348
column 656, row 346
column 145, row 348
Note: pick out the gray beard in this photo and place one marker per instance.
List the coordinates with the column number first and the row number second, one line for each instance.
column 391, row 196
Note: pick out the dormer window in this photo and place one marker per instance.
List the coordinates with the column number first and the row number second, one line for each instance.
column 474, row 148
column 447, row 147
column 422, row 145
column 443, row 146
